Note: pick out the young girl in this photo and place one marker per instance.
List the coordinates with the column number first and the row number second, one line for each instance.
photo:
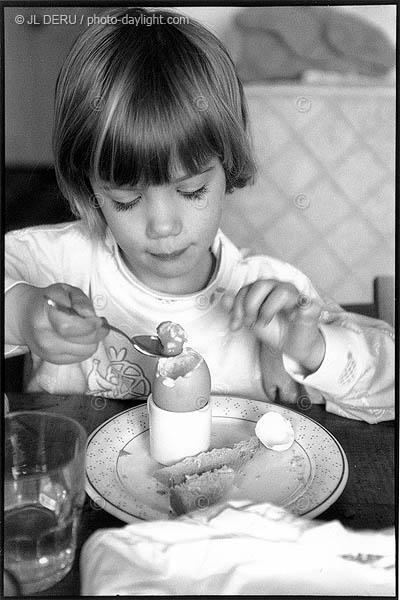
column 150, row 138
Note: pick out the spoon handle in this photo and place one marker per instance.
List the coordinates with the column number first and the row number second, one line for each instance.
column 113, row 328
column 68, row 310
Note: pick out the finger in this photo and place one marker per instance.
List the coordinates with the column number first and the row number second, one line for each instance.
column 237, row 311
column 283, row 296
column 60, row 292
column 72, row 353
column 66, row 359
column 227, row 301
column 86, row 339
column 256, row 295
column 304, row 329
column 70, row 326
column 82, row 351
column 309, row 309
column 80, row 302
column 273, row 334
column 71, row 297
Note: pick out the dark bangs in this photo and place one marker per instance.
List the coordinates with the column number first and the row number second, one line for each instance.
column 147, row 144
column 169, row 111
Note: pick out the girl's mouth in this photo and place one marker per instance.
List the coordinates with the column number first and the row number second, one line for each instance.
column 169, row 255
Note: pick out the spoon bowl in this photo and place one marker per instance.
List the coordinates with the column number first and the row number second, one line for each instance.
column 149, row 345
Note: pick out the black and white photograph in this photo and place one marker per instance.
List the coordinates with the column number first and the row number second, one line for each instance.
column 199, row 374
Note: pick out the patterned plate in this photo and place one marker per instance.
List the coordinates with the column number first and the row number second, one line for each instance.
column 306, row 479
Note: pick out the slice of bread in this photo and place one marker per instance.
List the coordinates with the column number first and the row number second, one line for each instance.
column 208, row 461
column 198, row 481
column 200, row 491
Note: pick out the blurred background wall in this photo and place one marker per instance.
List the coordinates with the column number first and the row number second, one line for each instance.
column 35, row 53
column 339, row 152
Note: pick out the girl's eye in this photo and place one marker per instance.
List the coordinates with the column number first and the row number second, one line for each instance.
column 196, row 194
column 121, row 206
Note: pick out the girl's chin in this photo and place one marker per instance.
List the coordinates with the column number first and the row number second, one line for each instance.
column 163, row 267
column 182, row 264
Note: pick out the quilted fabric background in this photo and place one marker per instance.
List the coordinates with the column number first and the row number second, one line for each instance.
column 324, row 195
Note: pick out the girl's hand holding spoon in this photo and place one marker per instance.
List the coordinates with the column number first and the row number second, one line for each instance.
column 53, row 335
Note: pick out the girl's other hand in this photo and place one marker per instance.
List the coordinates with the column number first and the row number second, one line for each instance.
column 57, row 337
column 281, row 317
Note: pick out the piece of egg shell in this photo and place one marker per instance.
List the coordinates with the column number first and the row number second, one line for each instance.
column 182, row 383
column 275, row 432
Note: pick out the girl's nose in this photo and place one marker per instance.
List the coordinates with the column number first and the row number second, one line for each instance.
column 163, row 218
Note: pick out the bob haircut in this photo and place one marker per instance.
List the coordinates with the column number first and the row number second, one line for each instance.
column 135, row 102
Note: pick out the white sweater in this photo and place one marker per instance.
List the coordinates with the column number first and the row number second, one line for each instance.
column 355, row 379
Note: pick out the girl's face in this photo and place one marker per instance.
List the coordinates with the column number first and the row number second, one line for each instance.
column 165, row 232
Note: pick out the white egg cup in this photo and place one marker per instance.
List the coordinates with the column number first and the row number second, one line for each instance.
column 175, row 435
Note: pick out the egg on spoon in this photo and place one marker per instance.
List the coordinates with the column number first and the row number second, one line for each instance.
column 172, row 337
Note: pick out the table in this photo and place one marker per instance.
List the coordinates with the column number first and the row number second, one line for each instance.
column 368, row 501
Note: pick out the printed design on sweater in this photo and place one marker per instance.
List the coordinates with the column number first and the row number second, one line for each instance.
column 121, row 378
column 348, row 373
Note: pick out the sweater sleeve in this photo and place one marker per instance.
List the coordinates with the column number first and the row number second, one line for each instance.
column 41, row 256
column 356, row 377
column 19, row 267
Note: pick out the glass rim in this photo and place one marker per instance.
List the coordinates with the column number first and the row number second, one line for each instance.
column 83, row 435
column 80, row 441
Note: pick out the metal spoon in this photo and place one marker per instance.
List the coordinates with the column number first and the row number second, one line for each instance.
column 150, row 345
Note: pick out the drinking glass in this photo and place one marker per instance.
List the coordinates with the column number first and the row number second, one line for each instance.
column 44, row 492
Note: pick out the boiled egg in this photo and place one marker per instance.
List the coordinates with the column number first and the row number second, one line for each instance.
column 182, row 383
